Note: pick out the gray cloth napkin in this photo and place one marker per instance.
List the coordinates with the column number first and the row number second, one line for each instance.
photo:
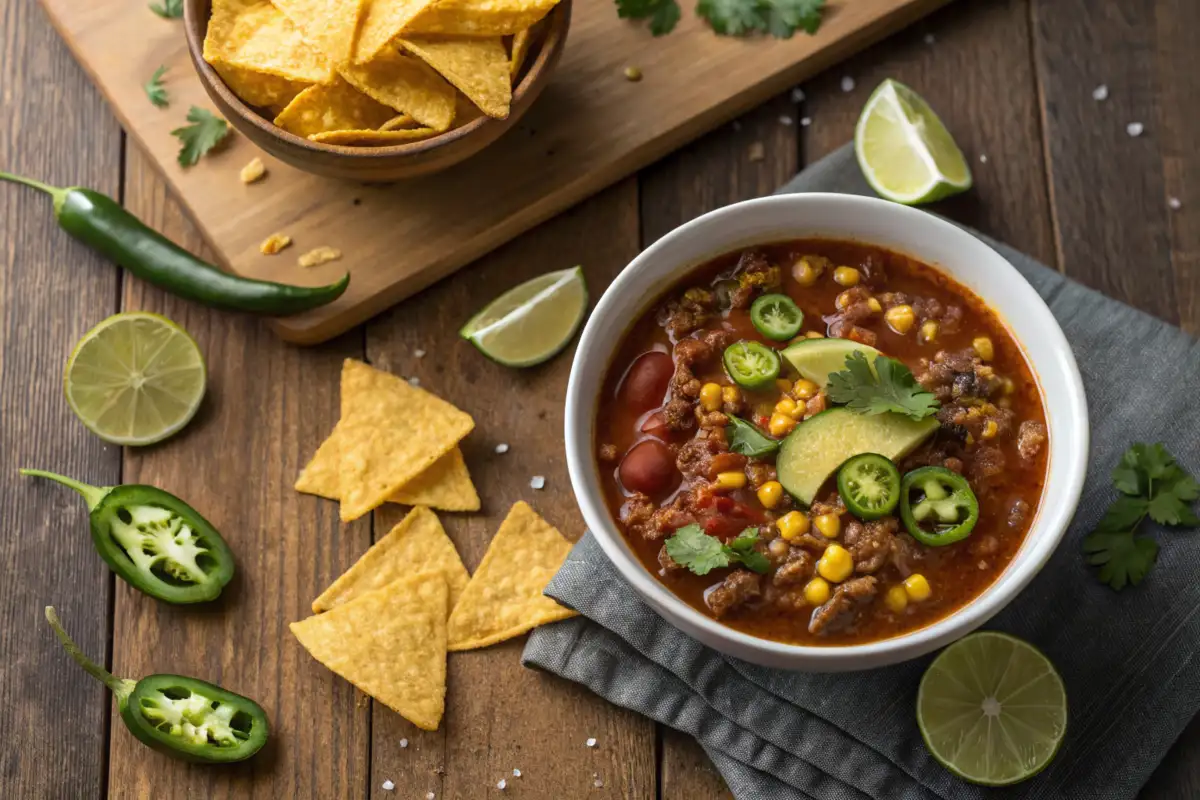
column 1129, row 659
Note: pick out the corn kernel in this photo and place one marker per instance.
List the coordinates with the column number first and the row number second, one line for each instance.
column 900, row 318
column 990, row 429
column 792, row 525
column 836, row 564
column 874, row 305
column 896, row 599
column 805, row 273
column 842, row 301
column 1008, row 387
column 783, row 385
column 710, row 397
column 780, row 424
column 917, row 588
column 846, row 276
column 970, row 439
column 731, row 394
column 731, row 480
column 805, row 389
column 770, row 493
column 814, row 335
column 984, row 347
column 816, row 591
column 929, row 330
column 786, row 405
column 830, row 525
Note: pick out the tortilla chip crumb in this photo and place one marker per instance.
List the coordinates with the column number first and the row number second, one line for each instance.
column 756, row 152
column 254, row 171
column 274, row 243
column 319, row 256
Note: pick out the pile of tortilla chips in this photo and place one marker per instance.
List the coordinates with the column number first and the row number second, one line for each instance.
column 387, row 624
column 372, row 72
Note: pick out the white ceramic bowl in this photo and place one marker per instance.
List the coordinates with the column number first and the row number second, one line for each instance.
column 836, row 216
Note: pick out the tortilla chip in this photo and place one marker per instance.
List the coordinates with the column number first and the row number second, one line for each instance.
column 390, row 643
column 478, row 67
column 391, row 432
column 504, row 598
column 382, row 20
column 338, row 107
column 257, row 88
column 374, row 138
column 255, row 35
column 417, row 544
column 407, row 85
column 479, row 17
column 401, row 122
column 328, row 25
column 520, row 49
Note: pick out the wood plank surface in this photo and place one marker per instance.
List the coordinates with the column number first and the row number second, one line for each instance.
column 56, row 128
column 402, row 238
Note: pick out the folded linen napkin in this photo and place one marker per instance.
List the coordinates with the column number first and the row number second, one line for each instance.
column 1129, row 659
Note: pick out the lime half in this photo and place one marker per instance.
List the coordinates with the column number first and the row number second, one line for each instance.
column 532, row 322
column 992, row 709
column 136, row 378
column 905, row 151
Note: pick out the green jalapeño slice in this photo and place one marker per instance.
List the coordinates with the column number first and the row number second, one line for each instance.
column 869, row 485
column 776, row 317
column 156, row 542
column 751, row 365
column 937, row 506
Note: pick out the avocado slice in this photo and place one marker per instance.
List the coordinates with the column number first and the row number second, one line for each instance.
column 821, row 444
column 816, row 358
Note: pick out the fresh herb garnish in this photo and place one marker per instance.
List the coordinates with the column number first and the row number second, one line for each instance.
column 746, row 439
column 691, row 547
column 779, row 18
column 168, row 9
column 1151, row 485
column 890, row 387
column 155, row 90
column 206, row 132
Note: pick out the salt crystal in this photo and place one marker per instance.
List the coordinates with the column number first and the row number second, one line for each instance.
column 430, row 796
column 785, row 120
column 847, row 84
column 502, row 784
column 537, row 482
column 591, row 742
column 1100, row 92
column 404, row 742
column 805, row 122
column 1135, row 128
column 502, row 448
column 414, row 381
column 388, row 786
column 599, row 784
column 419, row 353
column 798, row 95
column 982, row 158
column 1174, row 203
column 516, row 773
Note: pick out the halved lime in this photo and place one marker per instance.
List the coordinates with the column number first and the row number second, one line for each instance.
column 905, row 151
column 530, row 323
column 992, row 709
column 136, row 378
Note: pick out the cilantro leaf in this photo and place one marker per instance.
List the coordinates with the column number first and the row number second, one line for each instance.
column 691, row 547
column 1172, row 493
column 784, row 17
column 206, row 132
column 1123, row 515
column 663, row 14
column 168, row 9
column 154, row 88
column 890, row 387
column 1122, row 558
column 746, row 439
column 733, row 17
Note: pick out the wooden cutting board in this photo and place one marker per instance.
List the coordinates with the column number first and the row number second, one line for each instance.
column 589, row 128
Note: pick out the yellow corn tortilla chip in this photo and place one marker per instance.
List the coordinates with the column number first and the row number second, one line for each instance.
column 255, row 35
column 258, row 88
column 382, row 20
column 418, row 543
column 338, row 107
column 504, row 598
column 390, row 643
column 401, row 122
column 479, row 17
column 445, row 485
column 407, row 85
column 374, row 138
column 391, row 432
column 478, row 67
column 330, row 26
column 520, row 49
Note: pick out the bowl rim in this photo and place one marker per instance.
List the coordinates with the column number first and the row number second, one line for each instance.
column 1046, row 532
column 196, row 28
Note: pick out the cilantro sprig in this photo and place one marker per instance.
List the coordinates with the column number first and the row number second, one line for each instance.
column 691, row 547
column 168, row 9
column 155, row 90
column 206, row 132
column 779, row 18
column 746, row 439
column 1152, row 485
column 889, row 387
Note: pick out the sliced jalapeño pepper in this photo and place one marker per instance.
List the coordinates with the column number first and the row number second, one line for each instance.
column 156, row 542
column 937, row 506
column 776, row 317
column 184, row 718
column 752, row 365
column 869, row 485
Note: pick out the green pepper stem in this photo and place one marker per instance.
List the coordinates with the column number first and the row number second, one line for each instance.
column 92, row 494
column 121, row 687
column 57, row 193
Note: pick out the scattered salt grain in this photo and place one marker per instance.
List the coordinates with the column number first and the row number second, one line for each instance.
column 537, row 482
column 414, row 381
column 785, row 120
column 930, row 38
column 598, row 783
column 1174, row 203
column 516, row 773
column 847, row 83
column 1135, row 128
column 430, row 796
column 403, row 743
column 591, row 742
column 983, row 158
column 419, row 353
column 805, row 122
column 798, row 95
column 1100, row 92
column 388, row 786
column 501, row 448
column 502, row 784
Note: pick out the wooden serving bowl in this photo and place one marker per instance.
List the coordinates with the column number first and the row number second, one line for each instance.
column 378, row 164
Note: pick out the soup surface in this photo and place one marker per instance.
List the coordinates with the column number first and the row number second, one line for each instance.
column 717, row 469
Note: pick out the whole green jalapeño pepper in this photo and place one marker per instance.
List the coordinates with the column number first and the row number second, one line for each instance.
column 156, row 542
column 937, row 506
column 184, row 718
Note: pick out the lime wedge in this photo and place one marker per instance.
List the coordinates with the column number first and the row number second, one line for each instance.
column 532, row 322
column 136, row 378
column 905, row 151
column 992, row 709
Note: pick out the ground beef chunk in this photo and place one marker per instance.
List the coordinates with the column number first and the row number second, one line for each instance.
column 637, row 512
column 814, row 544
column 754, row 272
column 678, row 415
column 815, row 405
column 906, row 554
column 830, row 505
column 953, row 464
column 608, row 452
column 710, row 419
column 958, row 375
column 739, row 587
column 796, row 570
column 988, row 462
column 668, row 564
column 1018, row 512
column 760, row 472
column 695, row 458
column 726, row 462
column 689, row 313
column 840, row 611
column 870, row 544
column 1030, row 438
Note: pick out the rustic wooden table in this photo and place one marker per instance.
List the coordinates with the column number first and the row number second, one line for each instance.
column 1057, row 175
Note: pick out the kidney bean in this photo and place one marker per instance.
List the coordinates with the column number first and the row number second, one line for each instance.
column 648, row 468
column 645, row 382
column 656, row 426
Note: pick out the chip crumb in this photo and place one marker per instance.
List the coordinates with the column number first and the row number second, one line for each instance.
column 633, row 74
column 502, row 784
column 501, row 448
column 805, row 122
column 539, row 482
column 516, row 772
column 756, row 152
column 388, row 786
column 930, row 38
column 1100, row 92
column 1174, row 203
column 847, row 83
column 254, row 171
column 414, row 381
column 274, row 243
column 785, row 120
column 419, row 353
column 319, row 256
column 403, row 743
column 591, row 742
column 798, row 95
column 1135, row 129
